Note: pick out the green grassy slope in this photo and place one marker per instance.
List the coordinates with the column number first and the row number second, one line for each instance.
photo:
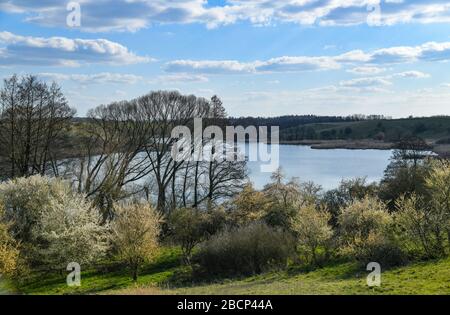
column 431, row 129
column 422, row 278
column 431, row 277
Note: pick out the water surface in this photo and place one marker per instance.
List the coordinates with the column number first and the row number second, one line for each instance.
column 325, row 167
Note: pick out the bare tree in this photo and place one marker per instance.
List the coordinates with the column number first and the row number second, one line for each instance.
column 112, row 156
column 34, row 118
column 163, row 111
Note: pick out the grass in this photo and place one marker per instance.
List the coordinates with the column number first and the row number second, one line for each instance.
column 161, row 277
column 422, row 278
column 93, row 281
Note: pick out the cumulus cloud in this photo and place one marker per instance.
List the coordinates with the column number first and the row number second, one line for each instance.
column 126, row 15
column 62, row 51
column 364, row 63
column 281, row 64
column 209, row 67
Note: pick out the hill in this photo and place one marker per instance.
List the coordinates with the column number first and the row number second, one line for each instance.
column 164, row 276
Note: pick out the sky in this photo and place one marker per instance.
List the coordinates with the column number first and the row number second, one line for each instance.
column 262, row 58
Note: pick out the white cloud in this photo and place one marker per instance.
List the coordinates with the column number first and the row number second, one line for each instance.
column 209, row 67
column 412, row 74
column 182, row 78
column 132, row 15
column 281, row 64
column 366, row 82
column 364, row 63
column 296, row 64
column 366, row 70
column 62, row 51
column 381, row 81
column 98, row 78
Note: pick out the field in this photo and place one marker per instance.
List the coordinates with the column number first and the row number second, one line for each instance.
column 167, row 276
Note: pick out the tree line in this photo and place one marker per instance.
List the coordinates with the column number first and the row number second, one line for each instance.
column 122, row 150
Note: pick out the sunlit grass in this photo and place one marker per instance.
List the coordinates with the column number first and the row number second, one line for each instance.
column 164, row 277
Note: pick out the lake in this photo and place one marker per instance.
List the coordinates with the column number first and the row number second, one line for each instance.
column 325, row 167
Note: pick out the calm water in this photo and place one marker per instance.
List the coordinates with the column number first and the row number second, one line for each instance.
column 325, row 167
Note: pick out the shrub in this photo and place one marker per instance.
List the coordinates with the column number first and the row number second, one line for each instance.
column 135, row 232
column 313, row 231
column 363, row 217
column 246, row 250
column 9, row 250
column 249, row 206
column 188, row 227
column 54, row 224
column 437, row 184
column 366, row 233
column 377, row 247
column 418, row 228
column 348, row 191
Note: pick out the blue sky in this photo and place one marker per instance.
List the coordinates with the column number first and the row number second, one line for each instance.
column 265, row 58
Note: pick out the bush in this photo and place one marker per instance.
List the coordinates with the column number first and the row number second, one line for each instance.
column 54, row 224
column 246, row 250
column 188, row 227
column 363, row 217
column 9, row 250
column 366, row 233
column 135, row 232
column 377, row 247
column 313, row 232
column 249, row 206
column 418, row 228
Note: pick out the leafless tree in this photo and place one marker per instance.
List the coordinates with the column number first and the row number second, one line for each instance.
column 111, row 147
column 164, row 110
column 34, row 120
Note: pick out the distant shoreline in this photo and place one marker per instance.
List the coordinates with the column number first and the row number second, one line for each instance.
column 366, row 144
column 343, row 144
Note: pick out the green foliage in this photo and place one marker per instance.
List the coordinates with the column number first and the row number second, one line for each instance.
column 365, row 228
column 348, row 191
column 189, row 227
column 285, row 197
column 406, row 173
column 9, row 250
column 423, row 221
column 245, row 250
column 418, row 229
column 313, row 232
column 249, row 206
column 135, row 232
